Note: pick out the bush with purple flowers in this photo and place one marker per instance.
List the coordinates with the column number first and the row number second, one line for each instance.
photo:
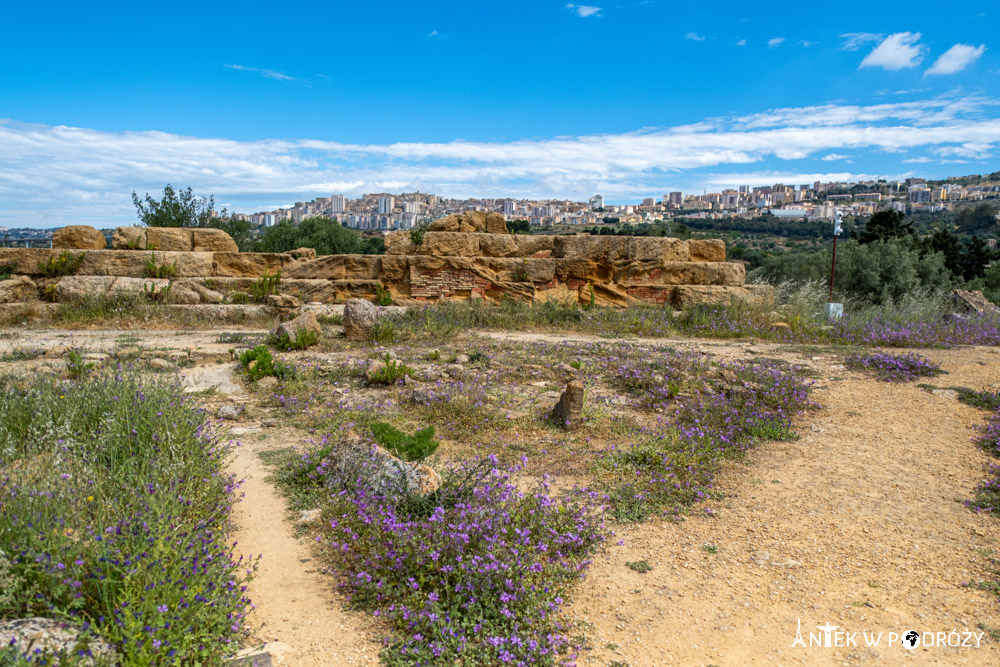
column 114, row 516
column 474, row 574
column 893, row 367
column 987, row 494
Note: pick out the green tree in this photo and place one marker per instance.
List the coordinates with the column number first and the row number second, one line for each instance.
column 519, row 227
column 326, row 236
column 176, row 209
column 885, row 225
column 979, row 218
column 975, row 257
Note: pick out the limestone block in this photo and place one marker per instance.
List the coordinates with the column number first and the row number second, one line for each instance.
column 534, row 246
column 25, row 261
column 362, row 267
column 169, row 238
column 71, row 288
column 707, row 250
column 395, row 269
column 450, row 244
column 399, row 243
column 647, row 248
column 497, row 245
column 212, row 240
column 79, row 237
column 329, row 267
column 469, row 221
column 686, row 296
column 249, row 264
column 129, row 238
column 17, row 289
column 138, row 285
column 681, row 273
column 594, row 248
column 603, row 294
column 582, row 269
column 133, row 263
column 517, row 269
column 496, row 224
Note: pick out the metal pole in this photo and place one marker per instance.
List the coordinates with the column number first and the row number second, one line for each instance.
column 833, row 265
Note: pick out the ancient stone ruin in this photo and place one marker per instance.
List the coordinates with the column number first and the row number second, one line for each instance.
column 465, row 256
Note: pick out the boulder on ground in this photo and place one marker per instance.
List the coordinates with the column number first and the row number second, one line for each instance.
column 303, row 253
column 568, row 412
column 306, row 322
column 971, row 303
column 79, row 237
column 206, row 294
column 209, row 239
column 31, row 636
column 17, row 289
column 353, row 459
column 359, row 318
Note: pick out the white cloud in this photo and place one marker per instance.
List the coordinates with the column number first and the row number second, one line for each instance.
column 58, row 175
column 741, row 42
column 694, row 37
column 266, row 73
column 583, row 11
column 897, row 51
column 775, row 41
column 805, row 43
column 956, row 59
column 923, row 159
column 433, row 33
column 855, row 40
column 834, row 156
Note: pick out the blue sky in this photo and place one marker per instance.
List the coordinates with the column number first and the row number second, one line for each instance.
column 264, row 104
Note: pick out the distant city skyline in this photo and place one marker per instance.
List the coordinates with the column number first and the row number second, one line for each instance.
column 528, row 100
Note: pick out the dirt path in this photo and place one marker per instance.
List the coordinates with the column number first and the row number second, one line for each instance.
column 858, row 524
column 294, row 602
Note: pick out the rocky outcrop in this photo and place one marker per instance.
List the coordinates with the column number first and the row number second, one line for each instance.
column 79, row 237
column 971, row 303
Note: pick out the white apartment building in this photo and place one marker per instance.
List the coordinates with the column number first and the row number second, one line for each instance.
column 385, row 205
column 337, row 204
column 597, row 201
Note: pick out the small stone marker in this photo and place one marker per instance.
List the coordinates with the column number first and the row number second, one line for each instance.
column 568, row 412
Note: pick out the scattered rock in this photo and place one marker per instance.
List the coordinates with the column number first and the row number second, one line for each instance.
column 30, row 635
column 210, row 239
column 306, row 322
column 454, row 370
column 270, row 422
column 354, row 458
column 240, row 431
column 359, row 318
column 96, row 357
column 461, row 359
column 79, row 237
column 159, row 364
column 946, row 393
column 285, row 302
column 303, row 253
column 568, row 412
column 269, row 383
column 785, row 326
column 230, row 412
column 207, row 295
column 972, row 303
column 309, row 516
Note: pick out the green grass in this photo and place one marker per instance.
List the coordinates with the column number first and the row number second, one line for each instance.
column 303, row 338
column 390, row 372
column 266, row 285
column 154, row 269
column 640, row 566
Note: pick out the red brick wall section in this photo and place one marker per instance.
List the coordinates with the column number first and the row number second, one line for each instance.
column 443, row 283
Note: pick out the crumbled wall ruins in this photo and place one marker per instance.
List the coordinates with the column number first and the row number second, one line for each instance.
column 464, row 256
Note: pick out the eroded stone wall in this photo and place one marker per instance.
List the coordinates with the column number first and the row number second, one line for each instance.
column 604, row 270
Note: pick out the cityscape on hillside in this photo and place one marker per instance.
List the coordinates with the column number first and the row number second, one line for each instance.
column 815, row 201
column 804, row 202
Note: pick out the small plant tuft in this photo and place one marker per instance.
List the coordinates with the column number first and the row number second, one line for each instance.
column 259, row 363
column 266, row 285
column 391, row 372
column 61, row 265
column 154, row 269
column 382, row 296
column 640, row 566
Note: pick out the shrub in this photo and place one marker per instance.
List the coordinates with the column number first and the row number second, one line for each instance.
column 521, row 272
column 417, row 235
column 414, row 447
column 303, row 338
column 474, row 574
column 62, row 264
column 264, row 286
column 153, row 269
column 6, row 272
column 76, row 367
column 893, row 367
column 259, row 362
column 382, row 296
column 239, row 298
column 114, row 514
column 391, row 372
